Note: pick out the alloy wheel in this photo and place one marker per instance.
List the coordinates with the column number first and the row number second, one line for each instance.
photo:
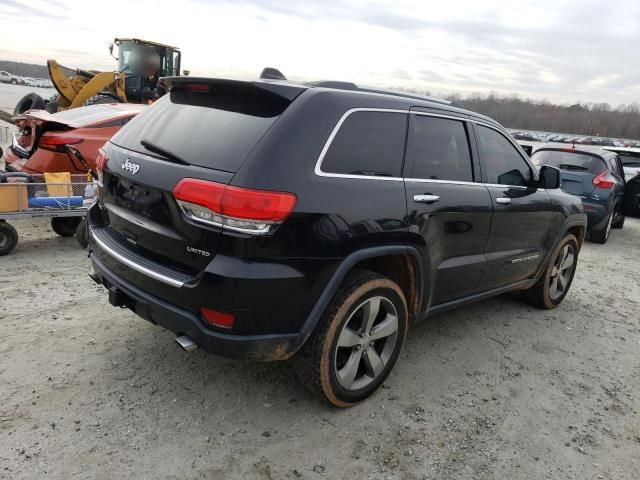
column 561, row 272
column 366, row 343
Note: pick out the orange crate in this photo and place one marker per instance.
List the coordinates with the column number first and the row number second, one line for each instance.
column 13, row 197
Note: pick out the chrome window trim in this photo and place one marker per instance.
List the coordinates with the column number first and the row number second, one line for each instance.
column 139, row 268
column 318, row 166
column 438, row 115
column 435, row 180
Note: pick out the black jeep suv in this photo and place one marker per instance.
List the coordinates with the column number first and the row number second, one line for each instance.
column 268, row 220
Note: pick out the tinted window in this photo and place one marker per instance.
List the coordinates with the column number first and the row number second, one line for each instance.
column 215, row 128
column 501, row 161
column 439, row 149
column 630, row 159
column 568, row 161
column 368, row 143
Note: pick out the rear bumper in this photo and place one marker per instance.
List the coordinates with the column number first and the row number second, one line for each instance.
column 261, row 348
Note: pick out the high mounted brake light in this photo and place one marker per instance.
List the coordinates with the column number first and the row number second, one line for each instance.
column 233, row 208
column 601, row 181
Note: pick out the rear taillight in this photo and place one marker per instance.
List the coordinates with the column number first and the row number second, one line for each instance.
column 233, row 208
column 57, row 143
column 601, row 181
column 101, row 162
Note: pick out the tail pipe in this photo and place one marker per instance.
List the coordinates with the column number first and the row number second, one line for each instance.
column 186, row 343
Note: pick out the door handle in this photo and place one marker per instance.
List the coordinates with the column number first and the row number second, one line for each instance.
column 426, row 198
column 503, row 200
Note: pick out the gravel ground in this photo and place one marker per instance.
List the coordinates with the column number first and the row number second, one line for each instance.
column 493, row 390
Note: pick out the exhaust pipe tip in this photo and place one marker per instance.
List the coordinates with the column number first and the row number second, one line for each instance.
column 186, row 343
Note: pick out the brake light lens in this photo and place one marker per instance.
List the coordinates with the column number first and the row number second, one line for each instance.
column 56, row 143
column 602, row 182
column 233, row 208
column 219, row 319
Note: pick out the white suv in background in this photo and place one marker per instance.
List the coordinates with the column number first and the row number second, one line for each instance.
column 6, row 77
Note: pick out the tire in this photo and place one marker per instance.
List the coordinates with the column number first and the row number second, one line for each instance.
column 31, row 101
column 8, row 238
column 601, row 236
column 543, row 294
column 14, row 81
column 619, row 223
column 65, row 226
column 102, row 99
column 323, row 367
column 82, row 235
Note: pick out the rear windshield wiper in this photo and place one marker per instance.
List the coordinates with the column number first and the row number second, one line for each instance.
column 370, row 173
column 162, row 152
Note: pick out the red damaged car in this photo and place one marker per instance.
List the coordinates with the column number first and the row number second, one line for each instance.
column 40, row 145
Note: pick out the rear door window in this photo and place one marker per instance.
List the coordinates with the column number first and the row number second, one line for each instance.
column 216, row 126
column 368, row 143
column 501, row 161
column 438, row 150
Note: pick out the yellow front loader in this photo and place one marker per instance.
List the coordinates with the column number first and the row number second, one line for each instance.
column 140, row 65
column 83, row 87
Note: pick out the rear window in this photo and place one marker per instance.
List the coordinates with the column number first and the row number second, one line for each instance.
column 569, row 161
column 368, row 143
column 216, row 127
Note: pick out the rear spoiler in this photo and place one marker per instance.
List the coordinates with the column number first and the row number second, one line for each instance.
column 283, row 89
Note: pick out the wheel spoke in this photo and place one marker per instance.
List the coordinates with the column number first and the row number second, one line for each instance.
column 373, row 362
column 348, row 338
column 370, row 312
column 562, row 281
column 567, row 262
column 553, row 289
column 385, row 328
column 348, row 373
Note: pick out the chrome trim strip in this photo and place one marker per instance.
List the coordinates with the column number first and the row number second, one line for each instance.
column 438, row 115
column 434, row 180
column 263, row 231
column 318, row 170
column 158, row 276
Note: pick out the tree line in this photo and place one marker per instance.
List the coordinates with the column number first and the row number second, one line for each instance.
column 589, row 119
column 24, row 69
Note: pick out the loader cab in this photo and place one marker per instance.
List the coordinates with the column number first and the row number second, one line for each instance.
column 144, row 63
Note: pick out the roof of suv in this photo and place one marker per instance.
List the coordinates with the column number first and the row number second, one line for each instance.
column 291, row 90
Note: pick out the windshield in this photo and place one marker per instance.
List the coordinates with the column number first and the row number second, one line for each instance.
column 147, row 60
column 215, row 129
column 568, row 160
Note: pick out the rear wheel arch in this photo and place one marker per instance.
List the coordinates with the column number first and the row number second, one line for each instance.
column 399, row 255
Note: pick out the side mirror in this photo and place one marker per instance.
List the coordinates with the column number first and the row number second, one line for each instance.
column 550, row 177
column 186, row 72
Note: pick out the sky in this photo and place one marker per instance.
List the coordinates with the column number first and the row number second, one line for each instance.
column 560, row 50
